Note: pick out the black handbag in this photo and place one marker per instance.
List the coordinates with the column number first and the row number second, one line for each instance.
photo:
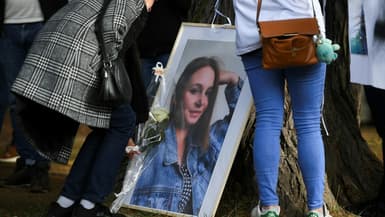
column 115, row 87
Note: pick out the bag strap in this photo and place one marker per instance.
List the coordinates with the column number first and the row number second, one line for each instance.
column 99, row 29
column 259, row 10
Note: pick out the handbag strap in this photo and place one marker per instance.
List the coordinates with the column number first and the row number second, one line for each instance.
column 260, row 5
column 99, row 33
column 259, row 10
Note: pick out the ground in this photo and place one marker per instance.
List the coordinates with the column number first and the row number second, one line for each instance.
column 19, row 202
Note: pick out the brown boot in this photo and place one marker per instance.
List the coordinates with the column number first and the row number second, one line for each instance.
column 10, row 155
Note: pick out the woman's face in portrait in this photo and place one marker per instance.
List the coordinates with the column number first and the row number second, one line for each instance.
column 196, row 95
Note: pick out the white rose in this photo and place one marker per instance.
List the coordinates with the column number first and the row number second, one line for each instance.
column 159, row 114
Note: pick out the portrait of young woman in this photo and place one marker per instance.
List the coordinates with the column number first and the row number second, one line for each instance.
column 176, row 172
column 206, row 88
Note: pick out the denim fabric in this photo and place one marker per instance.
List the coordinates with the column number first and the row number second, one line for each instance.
column 97, row 164
column 3, row 96
column 160, row 184
column 306, row 87
column 148, row 64
column 15, row 41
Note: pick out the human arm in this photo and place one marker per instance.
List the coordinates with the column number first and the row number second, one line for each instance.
column 234, row 84
column 149, row 4
column 355, row 12
column 228, row 77
column 218, row 129
column 132, row 149
column 122, row 21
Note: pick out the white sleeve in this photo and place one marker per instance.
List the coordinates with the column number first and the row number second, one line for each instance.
column 355, row 9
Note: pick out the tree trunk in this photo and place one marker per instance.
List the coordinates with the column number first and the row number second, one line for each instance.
column 202, row 11
column 353, row 172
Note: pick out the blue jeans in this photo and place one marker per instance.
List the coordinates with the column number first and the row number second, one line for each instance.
column 97, row 164
column 306, row 88
column 15, row 41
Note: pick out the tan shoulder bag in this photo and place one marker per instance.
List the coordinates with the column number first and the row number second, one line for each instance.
column 288, row 43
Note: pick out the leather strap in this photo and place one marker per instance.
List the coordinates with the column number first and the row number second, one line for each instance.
column 99, row 32
column 258, row 10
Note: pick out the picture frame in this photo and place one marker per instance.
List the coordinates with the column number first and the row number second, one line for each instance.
column 194, row 41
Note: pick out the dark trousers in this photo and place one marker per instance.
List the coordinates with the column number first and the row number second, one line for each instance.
column 15, row 41
column 94, row 171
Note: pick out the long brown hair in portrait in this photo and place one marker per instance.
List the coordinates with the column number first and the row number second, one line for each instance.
column 200, row 131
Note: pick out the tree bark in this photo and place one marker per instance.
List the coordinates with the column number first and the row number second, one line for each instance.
column 202, row 11
column 353, row 172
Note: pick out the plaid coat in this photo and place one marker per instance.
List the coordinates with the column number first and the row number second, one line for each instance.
column 61, row 69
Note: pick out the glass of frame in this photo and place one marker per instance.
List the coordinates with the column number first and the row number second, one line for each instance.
column 192, row 185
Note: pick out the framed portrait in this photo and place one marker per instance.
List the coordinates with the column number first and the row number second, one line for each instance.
column 208, row 99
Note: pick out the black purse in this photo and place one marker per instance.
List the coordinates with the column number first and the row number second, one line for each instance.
column 115, row 87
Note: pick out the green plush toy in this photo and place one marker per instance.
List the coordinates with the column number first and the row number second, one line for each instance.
column 326, row 50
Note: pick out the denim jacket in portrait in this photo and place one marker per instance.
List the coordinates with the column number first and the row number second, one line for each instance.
column 160, row 184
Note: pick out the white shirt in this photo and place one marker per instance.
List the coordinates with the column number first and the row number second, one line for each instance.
column 247, row 35
column 23, row 11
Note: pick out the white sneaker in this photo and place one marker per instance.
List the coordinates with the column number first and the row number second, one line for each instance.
column 270, row 212
column 324, row 210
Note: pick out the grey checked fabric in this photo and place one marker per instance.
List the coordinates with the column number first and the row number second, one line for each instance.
column 60, row 71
